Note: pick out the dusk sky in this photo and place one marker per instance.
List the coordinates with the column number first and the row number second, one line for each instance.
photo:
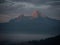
column 12, row 8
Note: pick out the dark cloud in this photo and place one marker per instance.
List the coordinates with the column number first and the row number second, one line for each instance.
column 13, row 6
column 2, row 1
column 34, row 1
column 48, row 7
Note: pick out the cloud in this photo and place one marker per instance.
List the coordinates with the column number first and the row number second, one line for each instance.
column 13, row 8
column 17, row 7
column 7, row 18
column 2, row 1
column 53, row 2
column 4, row 18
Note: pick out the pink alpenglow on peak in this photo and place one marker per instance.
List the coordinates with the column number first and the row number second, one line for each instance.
column 36, row 14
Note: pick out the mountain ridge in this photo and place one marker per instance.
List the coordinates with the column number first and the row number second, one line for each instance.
column 37, row 25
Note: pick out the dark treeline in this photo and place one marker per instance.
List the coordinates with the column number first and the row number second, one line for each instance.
column 48, row 41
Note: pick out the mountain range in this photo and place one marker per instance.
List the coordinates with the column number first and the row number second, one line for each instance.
column 28, row 24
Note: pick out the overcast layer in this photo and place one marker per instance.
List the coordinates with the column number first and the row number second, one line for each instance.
column 12, row 8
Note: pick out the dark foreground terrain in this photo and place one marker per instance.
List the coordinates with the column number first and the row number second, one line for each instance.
column 48, row 41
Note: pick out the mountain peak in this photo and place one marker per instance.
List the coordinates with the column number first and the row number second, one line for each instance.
column 20, row 17
column 36, row 14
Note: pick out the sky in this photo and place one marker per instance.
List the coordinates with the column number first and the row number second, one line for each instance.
column 12, row 8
